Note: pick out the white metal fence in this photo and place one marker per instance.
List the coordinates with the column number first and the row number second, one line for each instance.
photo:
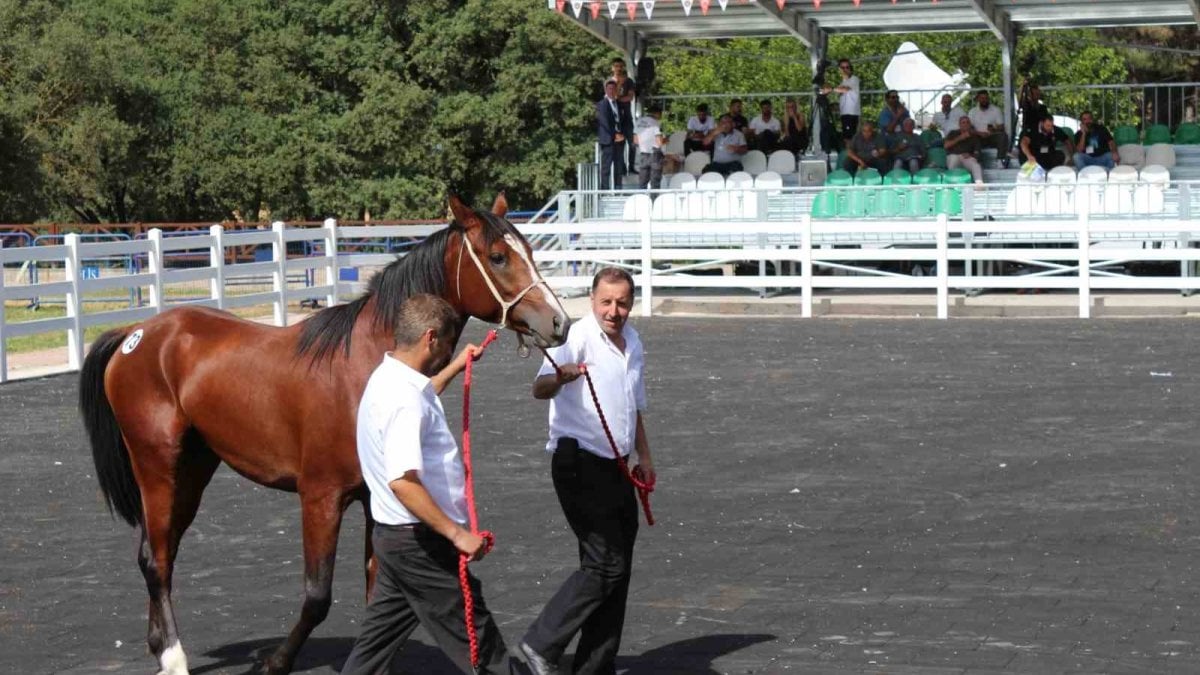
column 1080, row 253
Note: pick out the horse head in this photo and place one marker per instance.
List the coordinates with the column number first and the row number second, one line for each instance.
column 495, row 278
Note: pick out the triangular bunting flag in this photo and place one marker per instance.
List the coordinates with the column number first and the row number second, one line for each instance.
column 723, row 4
column 781, row 3
column 816, row 4
column 558, row 4
column 577, row 5
column 857, row 3
column 704, row 6
column 631, row 9
column 648, row 7
column 687, row 7
column 595, row 8
column 613, row 6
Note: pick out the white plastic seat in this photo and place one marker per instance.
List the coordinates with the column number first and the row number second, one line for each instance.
column 1132, row 154
column 740, row 200
column 1089, row 189
column 768, row 179
column 637, row 207
column 666, row 207
column 782, row 162
column 1149, row 196
column 675, row 143
column 682, row 181
column 695, row 162
column 1162, row 154
column 754, row 162
column 1061, row 175
column 711, row 181
column 1059, row 195
column 1118, row 195
column 1156, row 173
column 1095, row 175
column 1026, row 197
column 739, row 179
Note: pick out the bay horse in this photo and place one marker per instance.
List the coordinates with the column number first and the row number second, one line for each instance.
column 166, row 401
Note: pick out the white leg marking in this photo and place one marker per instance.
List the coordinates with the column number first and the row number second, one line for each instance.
column 173, row 661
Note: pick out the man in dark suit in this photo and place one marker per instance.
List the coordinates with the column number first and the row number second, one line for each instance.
column 608, row 134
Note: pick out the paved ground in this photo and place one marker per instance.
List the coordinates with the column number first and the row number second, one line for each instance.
column 869, row 496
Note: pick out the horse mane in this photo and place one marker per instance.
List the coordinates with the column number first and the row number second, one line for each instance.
column 421, row 270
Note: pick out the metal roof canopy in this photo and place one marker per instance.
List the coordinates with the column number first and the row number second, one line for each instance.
column 802, row 20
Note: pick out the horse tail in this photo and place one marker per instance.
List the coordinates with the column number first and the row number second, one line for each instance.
column 113, row 468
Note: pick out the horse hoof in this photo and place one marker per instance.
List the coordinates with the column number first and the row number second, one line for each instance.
column 276, row 665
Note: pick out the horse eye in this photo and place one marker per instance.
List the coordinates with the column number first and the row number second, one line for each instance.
column 497, row 258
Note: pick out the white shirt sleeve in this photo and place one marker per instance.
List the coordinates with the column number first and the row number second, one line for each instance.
column 402, row 440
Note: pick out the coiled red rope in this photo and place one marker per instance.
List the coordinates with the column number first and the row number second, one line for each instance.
column 489, row 540
column 643, row 487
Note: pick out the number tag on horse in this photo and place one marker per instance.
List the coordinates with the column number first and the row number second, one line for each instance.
column 132, row 341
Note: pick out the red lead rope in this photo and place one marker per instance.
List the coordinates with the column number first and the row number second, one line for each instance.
column 473, row 520
column 644, row 487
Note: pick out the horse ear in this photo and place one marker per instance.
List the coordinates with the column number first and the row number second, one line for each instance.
column 500, row 206
column 463, row 214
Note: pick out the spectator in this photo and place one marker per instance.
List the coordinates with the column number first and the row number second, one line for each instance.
column 1094, row 145
column 729, row 145
column 764, row 130
column 891, row 118
column 866, row 150
column 610, row 138
column 626, row 91
column 1032, row 109
column 1040, row 145
column 649, row 139
column 907, row 148
column 946, row 119
column 698, row 126
column 735, row 113
column 795, row 129
column 988, row 121
column 848, row 102
column 962, row 149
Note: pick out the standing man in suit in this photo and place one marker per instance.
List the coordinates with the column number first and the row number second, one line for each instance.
column 610, row 138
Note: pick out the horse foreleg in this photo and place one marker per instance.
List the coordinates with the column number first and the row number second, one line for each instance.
column 370, row 565
column 321, row 518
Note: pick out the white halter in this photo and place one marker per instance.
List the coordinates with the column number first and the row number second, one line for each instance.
column 533, row 274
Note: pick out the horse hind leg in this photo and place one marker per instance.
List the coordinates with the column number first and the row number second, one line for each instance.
column 321, row 517
column 181, row 471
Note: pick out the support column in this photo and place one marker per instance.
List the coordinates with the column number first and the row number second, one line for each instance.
column 1008, row 50
column 816, row 53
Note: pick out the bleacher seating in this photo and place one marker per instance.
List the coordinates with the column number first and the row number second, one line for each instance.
column 1162, row 154
column 1187, row 133
column 695, row 162
column 782, row 162
column 682, row 181
column 754, row 162
column 1133, row 154
column 1157, row 133
column 1125, row 135
column 675, row 143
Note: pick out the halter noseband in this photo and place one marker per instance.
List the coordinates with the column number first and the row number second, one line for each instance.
column 504, row 306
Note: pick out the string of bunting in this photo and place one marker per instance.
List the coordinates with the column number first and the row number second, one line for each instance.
column 614, row 6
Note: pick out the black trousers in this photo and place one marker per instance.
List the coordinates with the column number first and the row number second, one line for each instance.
column 417, row 582
column 612, row 164
column 849, row 127
column 602, row 511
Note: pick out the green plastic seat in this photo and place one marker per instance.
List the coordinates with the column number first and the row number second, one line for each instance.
column 927, row 177
column 936, row 157
column 890, row 203
column 1158, row 133
column 868, row 177
column 929, row 137
column 1188, row 133
column 1125, row 134
column 826, row 204
column 840, row 177
column 957, row 177
column 920, row 201
column 949, row 199
column 898, row 177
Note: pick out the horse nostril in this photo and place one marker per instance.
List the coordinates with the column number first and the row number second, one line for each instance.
column 558, row 324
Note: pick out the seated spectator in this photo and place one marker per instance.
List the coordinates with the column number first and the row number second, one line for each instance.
column 649, row 138
column 729, row 145
column 946, row 119
column 764, row 131
column 962, row 149
column 698, row 126
column 892, row 117
column 1040, row 145
column 735, row 113
column 906, row 147
column 1032, row 109
column 988, row 121
column 1094, row 146
column 795, row 129
column 866, row 150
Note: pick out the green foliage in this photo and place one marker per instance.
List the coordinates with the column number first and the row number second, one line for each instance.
column 186, row 110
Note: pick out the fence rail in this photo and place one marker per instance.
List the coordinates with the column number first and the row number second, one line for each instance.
column 1082, row 253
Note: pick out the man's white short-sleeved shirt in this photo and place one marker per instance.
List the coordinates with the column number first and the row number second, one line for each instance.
column 619, row 386
column 848, row 102
column 401, row 428
column 947, row 122
column 647, row 129
column 694, row 124
column 980, row 118
column 759, row 125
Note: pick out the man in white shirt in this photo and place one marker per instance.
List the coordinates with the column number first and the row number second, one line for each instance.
column 698, row 126
column 729, row 146
column 988, row 121
column 848, row 101
column 596, row 497
column 764, row 130
column 649, row 139
column 412, row 467
column 946, row 119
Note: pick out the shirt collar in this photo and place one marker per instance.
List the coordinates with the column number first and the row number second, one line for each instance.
column 407, row 372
